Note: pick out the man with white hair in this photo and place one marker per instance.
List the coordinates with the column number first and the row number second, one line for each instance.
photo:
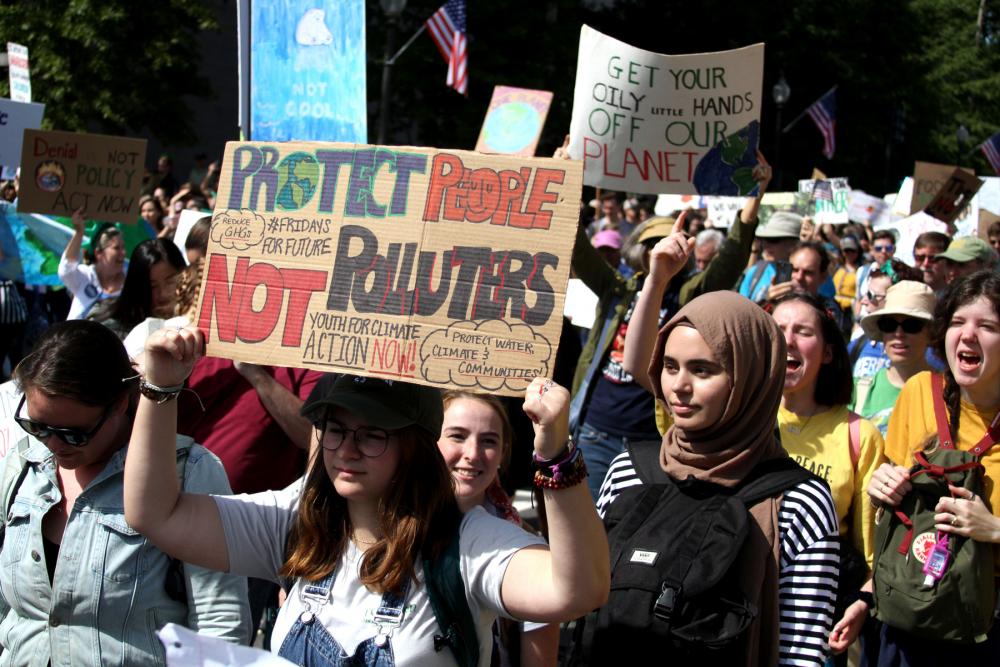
column 706, row 246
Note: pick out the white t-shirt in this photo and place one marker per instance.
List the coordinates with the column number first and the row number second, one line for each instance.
column 256, row 528
column 82, row 282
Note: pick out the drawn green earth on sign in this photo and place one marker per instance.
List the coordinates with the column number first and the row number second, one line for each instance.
column 512, row 126
column 298, row 176
column 727, row 169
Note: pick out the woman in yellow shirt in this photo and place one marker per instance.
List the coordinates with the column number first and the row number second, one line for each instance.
column 816, row 430
column 966, row 332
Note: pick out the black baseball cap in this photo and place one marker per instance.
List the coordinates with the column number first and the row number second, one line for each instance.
column 388, row 404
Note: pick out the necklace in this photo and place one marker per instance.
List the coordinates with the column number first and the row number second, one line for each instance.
column 364, row 543
column 797, row 430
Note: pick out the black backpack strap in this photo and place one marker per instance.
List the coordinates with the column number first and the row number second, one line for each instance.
column 770, row 478
column 446, row 592
column 645, row 456
column 855, row 352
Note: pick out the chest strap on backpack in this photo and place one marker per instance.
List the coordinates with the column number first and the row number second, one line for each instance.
column 945, row 441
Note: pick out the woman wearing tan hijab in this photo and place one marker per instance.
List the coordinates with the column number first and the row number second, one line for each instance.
column 718, row 367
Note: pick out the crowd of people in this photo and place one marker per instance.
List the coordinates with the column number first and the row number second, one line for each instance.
column 801, row 369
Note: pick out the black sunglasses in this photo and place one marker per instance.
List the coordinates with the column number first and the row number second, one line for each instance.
column 910, row 325
column 73, row 437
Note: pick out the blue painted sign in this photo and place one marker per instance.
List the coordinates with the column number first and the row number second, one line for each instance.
column 307, row 71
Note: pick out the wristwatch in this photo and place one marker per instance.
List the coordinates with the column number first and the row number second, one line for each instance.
column 867, row 598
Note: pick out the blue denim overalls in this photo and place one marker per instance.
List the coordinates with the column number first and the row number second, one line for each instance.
column 309, row 644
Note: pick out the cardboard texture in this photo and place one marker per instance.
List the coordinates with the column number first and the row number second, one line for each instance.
column 444, row 268
column 928, row 178
column 986, row 219
column 661, row 124
column 15, row 118
column 64, row 171
column 514, row 121
column 954, row 196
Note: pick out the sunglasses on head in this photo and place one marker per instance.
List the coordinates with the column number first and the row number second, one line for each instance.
column 910, row 325
column 884, row 248
column 73, row 437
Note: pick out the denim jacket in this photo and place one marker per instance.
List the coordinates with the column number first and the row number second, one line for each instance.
column 108, row 596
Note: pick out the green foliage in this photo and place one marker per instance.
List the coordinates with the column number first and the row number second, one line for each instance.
column 113, row 65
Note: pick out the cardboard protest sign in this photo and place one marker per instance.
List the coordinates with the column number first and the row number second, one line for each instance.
column 823, row 211
column 15, row 118
column 653, row 123
column 928, row 178
column 514, row 121
column 64, row 171
column 19, row 72
column 986, row 219
column 307, row 70
column 954, row 196
column 445, row 268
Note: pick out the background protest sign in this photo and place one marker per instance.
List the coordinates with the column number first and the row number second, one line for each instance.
column 19, row 72
column 954, row 197
column 514, row 121
column 15, row 118
column 863, row 207
column 833, row 210
column 928, row 178
column 445, row 268
column 307, row 70
column 653, row 123
column 64, row 171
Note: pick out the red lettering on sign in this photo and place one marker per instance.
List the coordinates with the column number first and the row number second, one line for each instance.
column 232, row 300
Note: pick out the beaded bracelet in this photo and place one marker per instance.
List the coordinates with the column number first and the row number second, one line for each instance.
column 563, row 473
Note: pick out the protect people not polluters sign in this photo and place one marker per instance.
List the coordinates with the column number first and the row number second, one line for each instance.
column 440, row 267
column 665, row 124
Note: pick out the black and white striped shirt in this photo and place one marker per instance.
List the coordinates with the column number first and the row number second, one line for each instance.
column 810, row 557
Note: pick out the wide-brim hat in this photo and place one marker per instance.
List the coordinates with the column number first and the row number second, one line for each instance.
column 388, row 404
column 908, row 298
column 781, row 225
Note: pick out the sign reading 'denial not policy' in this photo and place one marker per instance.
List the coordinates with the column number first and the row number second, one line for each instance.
column 648, row 122
column 20, row 78
column 445, row 268
column 514, row 121
column 64, row 171
column 15, row 118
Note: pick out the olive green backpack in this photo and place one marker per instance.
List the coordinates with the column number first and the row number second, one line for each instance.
column 959, row 607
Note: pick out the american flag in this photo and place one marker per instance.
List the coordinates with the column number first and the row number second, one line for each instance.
column 822, row 190
column 991, row 149
column 447, row 28
column 824, row 113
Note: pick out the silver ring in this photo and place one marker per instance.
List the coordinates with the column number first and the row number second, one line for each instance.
column 954, row 519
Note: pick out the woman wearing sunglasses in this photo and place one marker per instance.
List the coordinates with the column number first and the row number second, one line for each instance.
column 376, row 510
column 901, row 326
column 78, row 585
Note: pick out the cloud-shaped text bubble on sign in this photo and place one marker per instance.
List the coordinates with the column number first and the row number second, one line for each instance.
column 237, row 230
column 489, row 355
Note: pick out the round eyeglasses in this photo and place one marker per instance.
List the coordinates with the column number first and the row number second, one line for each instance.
column 370, row 441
